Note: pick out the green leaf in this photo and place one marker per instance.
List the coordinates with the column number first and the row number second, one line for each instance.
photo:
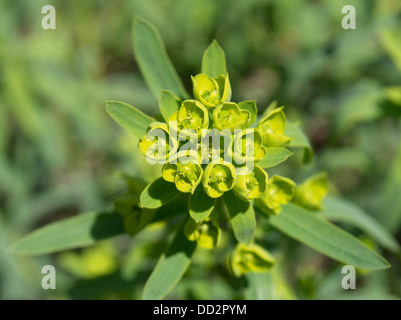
column 168, row 104
column 214, row 61
column 251, row 107
column 129, row 117
column 170, row 268
column 274, row 156
column 158, row 193
column 200, row 204
column 242, row 217
column 260, row 286
column 79, row 231
column 153, row 60
column 391, row 41
column 328, row 239
column 340, row 210
column 389, row 210
column 299, row 140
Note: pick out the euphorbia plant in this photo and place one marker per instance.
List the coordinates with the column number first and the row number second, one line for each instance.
column 208, row 186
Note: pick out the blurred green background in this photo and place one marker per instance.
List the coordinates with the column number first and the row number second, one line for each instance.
column 60, row 153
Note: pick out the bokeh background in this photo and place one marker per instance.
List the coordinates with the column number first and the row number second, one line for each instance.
column 60, row 153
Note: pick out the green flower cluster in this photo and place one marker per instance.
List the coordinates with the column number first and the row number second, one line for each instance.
column 212, row 109
column 215, row 155
column 206, row 171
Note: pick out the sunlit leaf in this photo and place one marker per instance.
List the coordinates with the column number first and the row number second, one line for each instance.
column 214, row 61
column 242, row 217
column 170, row 268
column 299, row 140
column 129, row 117
column 80, row 231
column 340, row 210
column 153, row 60
column 274, row 156
column 158, row 193
column 328, row 239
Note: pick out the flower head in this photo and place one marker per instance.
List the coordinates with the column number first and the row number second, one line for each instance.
column 229, row 116
column 249, row 258
column 211, row 92
column 186, row 174
column 272, row 128
column 280, row 191
column 192, row 115
column 206, row 232
column 251, row 185
column 219, row 178
column 311, row 192
column 156, row 145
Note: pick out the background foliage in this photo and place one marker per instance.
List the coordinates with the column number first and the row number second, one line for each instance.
column 59, row 151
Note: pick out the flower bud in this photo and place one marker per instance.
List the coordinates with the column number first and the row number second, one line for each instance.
column 280, row 191
column 249, row 258
column 229, row 116
column 248, row 146
column 311, row 192
column 251, row 185
column 206, row 233
column 218, row 178
column 156, row 145
column 192, row 115
column 211, row 92
column 272, row 128
column 186, row 176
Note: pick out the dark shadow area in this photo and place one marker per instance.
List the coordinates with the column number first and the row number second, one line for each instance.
column 107, row 225
column 95, row 288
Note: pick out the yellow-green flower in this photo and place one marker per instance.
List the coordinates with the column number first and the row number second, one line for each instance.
column 250, row 258
column 251, row 185
column 248, row 146
column 206, row 233
column 192, row 115
column 272, row 127
column 311, row 192
column 280, row 191
column 229, row 116
column 156, row 145
column 185, row 176
column 219, row 178
column 211, row 92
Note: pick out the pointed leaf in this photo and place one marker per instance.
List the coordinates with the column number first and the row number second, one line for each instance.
column 79, row 231
column 200, row 204
column 299, row 140
column 242, row 217
column 260, row 286
column 158, row 193
column 170, row 268
column 129, row 117
column 339, row 210
column 274, row 156
column 389, row 204
column 153, row 60
column 168, row 104
column 214, row 61
column 319, row 234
